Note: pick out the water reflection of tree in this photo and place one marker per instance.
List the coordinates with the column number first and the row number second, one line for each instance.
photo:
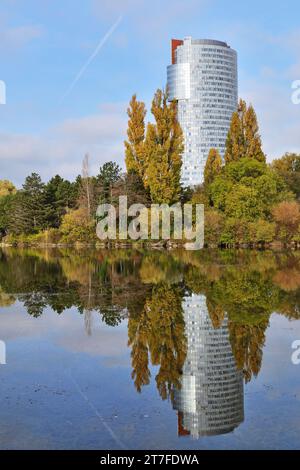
column 246, row 287
column 103, row 283
column 6, row 299
column 147, row 287
column 158, row 334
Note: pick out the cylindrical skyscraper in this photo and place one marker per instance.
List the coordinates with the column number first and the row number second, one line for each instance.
column 211, row 398
column 203, row 79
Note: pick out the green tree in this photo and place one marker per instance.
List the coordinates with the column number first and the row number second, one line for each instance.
column 248, row 189
column 214, row 222
column 60, row 196
column 243, row 203
column 77, row 227
column 288, row 168
column 109, row 175
column 262, row 231
column 29, row 210
column 6, row 205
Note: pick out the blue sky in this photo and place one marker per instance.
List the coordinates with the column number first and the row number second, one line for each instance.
column 44, row 44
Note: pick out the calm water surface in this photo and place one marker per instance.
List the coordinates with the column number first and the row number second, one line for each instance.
column 149, row 350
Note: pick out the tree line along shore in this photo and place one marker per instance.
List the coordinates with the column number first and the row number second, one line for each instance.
column 248, row 202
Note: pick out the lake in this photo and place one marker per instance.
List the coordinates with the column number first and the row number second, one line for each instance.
column 128, row 349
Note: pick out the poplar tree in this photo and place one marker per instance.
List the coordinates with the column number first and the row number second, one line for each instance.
column 86, row 190
column 134, row 147
column 235, row 143
column 252, row 137
column 213, row 166
column 243, row 139
column 163, row 150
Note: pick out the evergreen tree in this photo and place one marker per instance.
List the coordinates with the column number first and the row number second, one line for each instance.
column 163, row 150
column 108, row 176
column 60, row 196
column 6, row 204
column 29, row 212
column 19, row 220
column 35, row 202
column 135, row 190
column 213, row 166
column 134, row 158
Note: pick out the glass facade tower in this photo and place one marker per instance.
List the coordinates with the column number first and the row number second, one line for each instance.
column 203, row 80
column 211, row 398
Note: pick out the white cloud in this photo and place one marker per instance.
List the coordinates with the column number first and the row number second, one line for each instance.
column 269, row 86
column 278, row 117
column 61, row 149
column 67, row 330
column 12, row 38
column 151, row 19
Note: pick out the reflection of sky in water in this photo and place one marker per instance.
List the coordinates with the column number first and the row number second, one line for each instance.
column 64, row 389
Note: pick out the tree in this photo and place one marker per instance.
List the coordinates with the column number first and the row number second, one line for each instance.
column 214, row 222
column 6, row 204
column 19, row 221
column 29, row 208
column 288, row 168
column 243, row 139
column 108, row 176
column 134, row 153
column 131, row 185
column 159, row 334
column 213, row 166
column 248, row 189
column 235, row 143
column 86, row 193
column 287, row 217
column 60, row 196
column 77, row 227
column 163, row 150
column 262, row 231
column 7, row 188
column 252, row 138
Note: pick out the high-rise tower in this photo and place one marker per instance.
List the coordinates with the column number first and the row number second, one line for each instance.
column 211, row 398
column 203, row 79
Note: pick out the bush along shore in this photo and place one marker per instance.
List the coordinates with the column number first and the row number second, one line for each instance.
column 247, row 202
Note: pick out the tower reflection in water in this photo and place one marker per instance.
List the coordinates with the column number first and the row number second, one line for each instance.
column 211, row 398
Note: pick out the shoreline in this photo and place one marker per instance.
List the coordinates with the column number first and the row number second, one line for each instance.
column 162, row 245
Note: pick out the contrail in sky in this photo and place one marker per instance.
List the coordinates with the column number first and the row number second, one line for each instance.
column 92, row 57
